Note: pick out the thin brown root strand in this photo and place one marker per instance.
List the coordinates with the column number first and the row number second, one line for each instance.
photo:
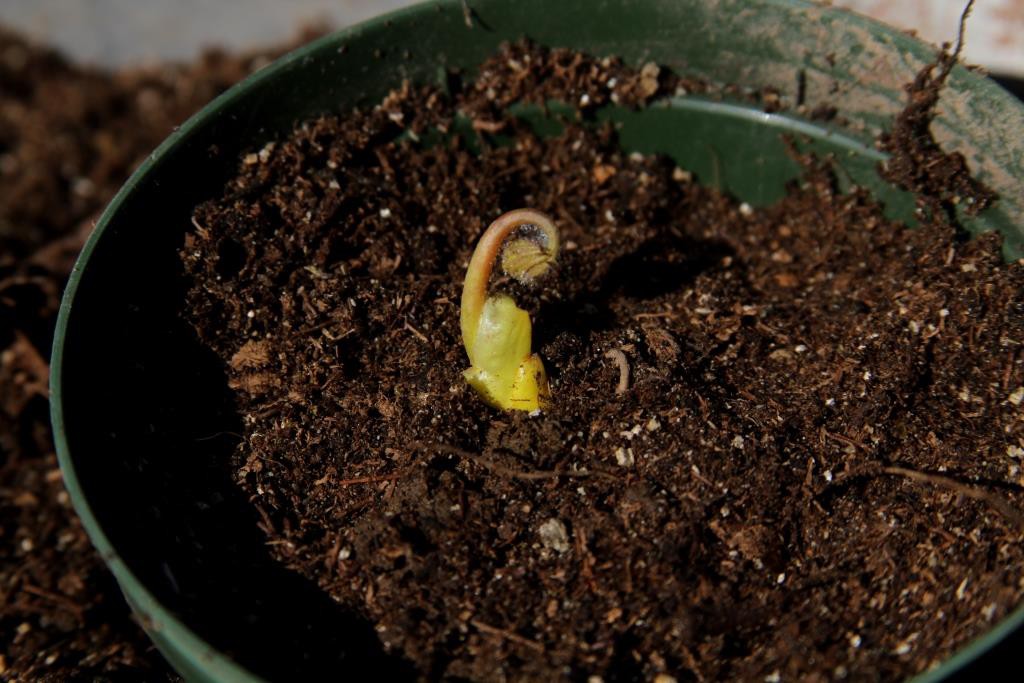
column 961, row 29
column 623, row 364
column 947, row 60
column 994, row 500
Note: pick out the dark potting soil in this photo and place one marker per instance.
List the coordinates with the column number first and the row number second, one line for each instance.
column 813, row 470
column 69, row 137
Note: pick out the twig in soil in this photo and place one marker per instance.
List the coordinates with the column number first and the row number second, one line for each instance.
column 529, row 475
column 416, row 333
column 370, row 479
column 620, row 360
column 845, row 439
column 319, row 326
column 68, row 603
column 203, row 232
column 657, row 314
column 507, row 635
column 997, row 502
column 489, row 126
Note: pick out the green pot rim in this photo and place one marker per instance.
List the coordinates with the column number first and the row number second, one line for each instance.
column 177, row 641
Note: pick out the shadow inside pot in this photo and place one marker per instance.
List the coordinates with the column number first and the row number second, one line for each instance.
column 663, row 264
column 152, row 427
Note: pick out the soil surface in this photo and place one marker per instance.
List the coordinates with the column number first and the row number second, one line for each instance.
column 814, row 469
column 69, row 136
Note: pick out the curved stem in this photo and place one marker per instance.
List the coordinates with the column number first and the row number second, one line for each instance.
column 474, row 287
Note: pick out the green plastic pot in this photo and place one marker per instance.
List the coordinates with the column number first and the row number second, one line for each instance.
column 142, row 413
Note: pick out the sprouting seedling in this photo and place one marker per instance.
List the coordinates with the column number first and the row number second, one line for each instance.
column 496, row 332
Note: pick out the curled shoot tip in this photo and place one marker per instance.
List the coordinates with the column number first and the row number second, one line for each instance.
column 496, row 332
